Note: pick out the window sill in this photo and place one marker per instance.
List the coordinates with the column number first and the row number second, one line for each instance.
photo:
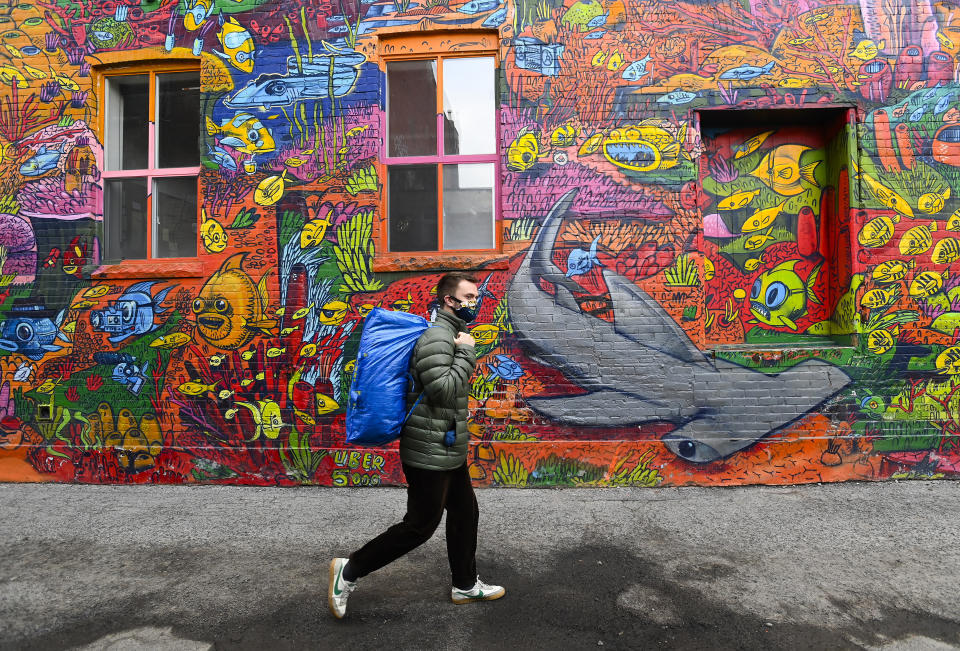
column 440, row 262
column 179, row 268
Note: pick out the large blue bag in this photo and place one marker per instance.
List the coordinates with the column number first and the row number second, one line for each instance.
column 377, row 408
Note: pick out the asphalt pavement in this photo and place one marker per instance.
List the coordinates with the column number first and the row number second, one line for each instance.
column 839, row 566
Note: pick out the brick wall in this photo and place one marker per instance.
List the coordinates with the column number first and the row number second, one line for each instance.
column 727, row 243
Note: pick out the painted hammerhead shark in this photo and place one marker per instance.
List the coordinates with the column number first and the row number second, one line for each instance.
column 644, row 368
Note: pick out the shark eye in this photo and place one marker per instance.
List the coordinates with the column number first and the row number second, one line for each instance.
column 24, row 332
column 127, row 310
column 275, row 87
column 776, row 294
column 220, row 305
column 198, row 305
column 755, row 292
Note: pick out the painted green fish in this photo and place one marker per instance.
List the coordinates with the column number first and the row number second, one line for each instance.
column 779, row 297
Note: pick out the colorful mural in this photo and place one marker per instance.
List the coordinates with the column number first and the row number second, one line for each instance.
column 730, row 243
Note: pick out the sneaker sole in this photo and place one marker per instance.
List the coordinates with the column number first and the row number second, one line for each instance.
column 469, row 600
column 333, row 609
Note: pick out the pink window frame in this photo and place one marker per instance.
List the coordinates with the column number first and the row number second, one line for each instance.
column 442, row 158
column 149, row 173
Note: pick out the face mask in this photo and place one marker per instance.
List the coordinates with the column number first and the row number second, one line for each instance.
column 467, row 310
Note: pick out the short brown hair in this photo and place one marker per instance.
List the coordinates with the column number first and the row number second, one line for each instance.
column 447, row 286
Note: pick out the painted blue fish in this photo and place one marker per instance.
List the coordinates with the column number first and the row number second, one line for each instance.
column 338, row 29
column 580, row 262
column 496, row 18
column 331, row 73
column 930, row 93
column 747, row 72
column 126, row 371
column 917, row 114
column 598, row 21
column 29, row 330
column 476, row 6
column 943, row 104
column 45, row 160
column 592, row 36
column 506, row 369
column 636, row 70
column 533, row 54
column 131, row 314
column 223, row 160
column 677, row 97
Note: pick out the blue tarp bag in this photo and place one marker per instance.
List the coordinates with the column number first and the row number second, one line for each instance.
column 377, row 406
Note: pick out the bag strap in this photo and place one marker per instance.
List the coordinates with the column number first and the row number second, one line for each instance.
column 410, row 413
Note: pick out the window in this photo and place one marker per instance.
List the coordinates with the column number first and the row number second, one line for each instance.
column 151, row 128
column 441, row 153
column 776, row 198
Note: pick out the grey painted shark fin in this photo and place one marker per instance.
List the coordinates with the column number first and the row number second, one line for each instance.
column 640, row 318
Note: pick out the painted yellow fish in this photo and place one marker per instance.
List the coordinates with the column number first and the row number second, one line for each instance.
column 880, row 340
column 485, row 334
column 69, row 327
column 244, row 132
column 247, row 355
column 946, row 251
column 333, row 313
column 48, row 386
column 878, row 231
column 762, row 218
column 212, row 234
column 891, row 271
column 709, row 269
column 523, row 152
column 302, row 312
column 308, row 351
column 270, row 189
column 97, row 291
column 917, row 240
column 403, row 304
column 224, row 394
column 564, row 136
column 193, row 388
column 878, row 298
column 926, row 283
column 751, row 145
column 237, row 45
column 170, row 341
column 591, row 145
column 953, row 224
column 217, row 360
column 753, row 263
column 313, row 232
column 10, row 76
column 34, row 72
column 275, row 352
column 867, row 49
column 287, row 331
column 305, row 417
column 756, row 241
column 326, row 404
column 932, row 202
column 780, row 169
column 738, row 200
column 884, row 195
column 948, row 362
column 82, row 305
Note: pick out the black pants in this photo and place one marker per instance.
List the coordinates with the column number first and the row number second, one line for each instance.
column 429, row 492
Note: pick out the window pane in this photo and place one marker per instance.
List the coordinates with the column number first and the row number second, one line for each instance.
column 178, row 119
column 468, row 106
column 125, row 219
column 468, row 206
column 413, row 208
column 127, row 117
column 412, row 108
column 175, row 202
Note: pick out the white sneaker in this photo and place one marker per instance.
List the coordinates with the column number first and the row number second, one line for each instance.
column 339, row 589
column 479, row 592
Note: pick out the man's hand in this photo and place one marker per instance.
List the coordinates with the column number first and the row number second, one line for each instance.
column 463, row 339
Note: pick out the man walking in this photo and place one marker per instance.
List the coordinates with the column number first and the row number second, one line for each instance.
column 433, row 454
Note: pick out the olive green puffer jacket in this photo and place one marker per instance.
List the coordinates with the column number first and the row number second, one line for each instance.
column 442, row 370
